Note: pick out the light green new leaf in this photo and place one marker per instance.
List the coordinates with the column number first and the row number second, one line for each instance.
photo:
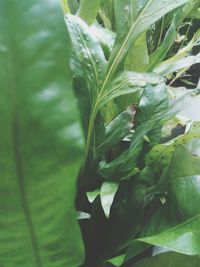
column 107, row 194
column 117, row 261
column 169, row 259
column 88, row 10
column 39, row 130
column 133, row 17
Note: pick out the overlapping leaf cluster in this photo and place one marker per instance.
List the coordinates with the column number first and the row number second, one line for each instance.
column 139, row 185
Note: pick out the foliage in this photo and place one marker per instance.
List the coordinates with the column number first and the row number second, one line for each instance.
column 136, row 180
column 39, row 131
column 138, row 185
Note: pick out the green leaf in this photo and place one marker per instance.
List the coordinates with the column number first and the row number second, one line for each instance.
column 194, row 146
column 195, row 14
column 133, row 17
column 88, row 63
column 184, row 196
column 153, row 108
column 40, row 129
column 169, row 259
column 170, row 66
column 127, row 88
column 107, row 13
column 138, row 57
column 88, row 10
column 87, row 55
column 183, row 163
column 117, row 130
column 160, row 53
column 117, row 261
column 184, row 238
column 73, row 5
column 123, row 165
column 154, row 102
column 126, row 214
column 134, row 249
column 161, row 154
column 105, row 37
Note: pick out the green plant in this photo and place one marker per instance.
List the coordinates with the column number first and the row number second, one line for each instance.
column 134, row 174
column 138, row 184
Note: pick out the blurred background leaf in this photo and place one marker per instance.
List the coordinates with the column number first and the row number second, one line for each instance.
column 40, row 139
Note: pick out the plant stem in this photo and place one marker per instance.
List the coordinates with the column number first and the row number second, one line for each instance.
column 90, row 132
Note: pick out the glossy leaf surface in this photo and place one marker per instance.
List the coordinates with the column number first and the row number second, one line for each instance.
column 183, row 238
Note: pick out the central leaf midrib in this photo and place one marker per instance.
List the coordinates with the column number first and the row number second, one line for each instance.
column 12, row 80
column 22, row 191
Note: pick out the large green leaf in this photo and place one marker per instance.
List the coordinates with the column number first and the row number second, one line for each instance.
column 184, row 238
column 40, row 140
